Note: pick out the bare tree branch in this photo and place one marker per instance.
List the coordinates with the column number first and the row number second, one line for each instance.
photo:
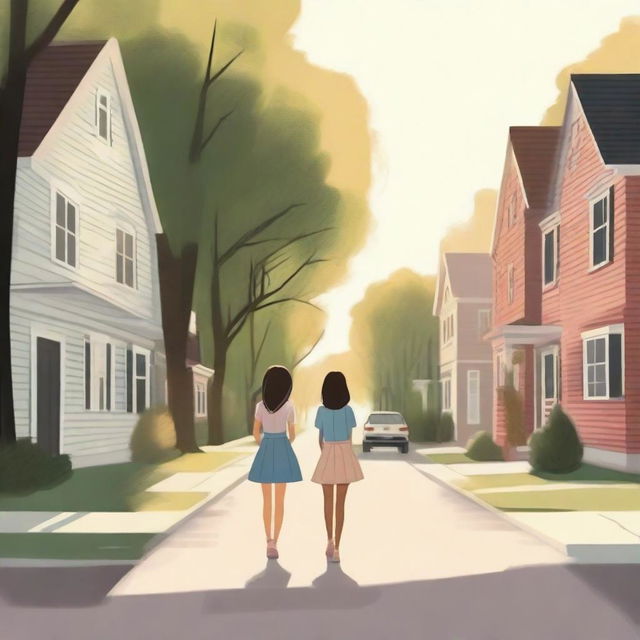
column 218, row 124
column 308, row 352
column 211, row 49
column 283, row 300
column 252, row 233
column 212, row 79
column 51, row 30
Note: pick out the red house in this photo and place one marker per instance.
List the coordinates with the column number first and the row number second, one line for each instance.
column 567, row 270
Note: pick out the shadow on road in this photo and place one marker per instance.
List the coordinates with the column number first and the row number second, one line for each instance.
column 525, row 603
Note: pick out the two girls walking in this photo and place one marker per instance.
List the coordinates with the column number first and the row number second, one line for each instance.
column 275, row 464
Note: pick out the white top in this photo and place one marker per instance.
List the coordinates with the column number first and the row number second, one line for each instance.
column 276, row 422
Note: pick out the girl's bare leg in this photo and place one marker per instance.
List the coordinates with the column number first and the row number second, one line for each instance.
column 327, row 490
column 266, row 509
column 341, row 494
column 281, row 487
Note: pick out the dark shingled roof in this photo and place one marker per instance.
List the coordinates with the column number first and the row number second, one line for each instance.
column 52, row 78
column 470, row 274
column 535, row 151
column 611, row 104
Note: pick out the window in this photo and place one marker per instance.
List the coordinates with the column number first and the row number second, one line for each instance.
column 601, row 230
column 510, row 283
column 549, row 367
column 446, row 394
column 103, row 116
column 473, row 396
column 484, row 321
column 125, row 258
column 603, row 368
column 137, row 379
column 550, row 256
column 447, row 329
column 511, row 210
column 451, row 326
column 65, row 230
column 201, row 399
column 98, row 373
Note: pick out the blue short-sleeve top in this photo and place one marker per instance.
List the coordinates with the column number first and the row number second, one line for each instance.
column 335, row 424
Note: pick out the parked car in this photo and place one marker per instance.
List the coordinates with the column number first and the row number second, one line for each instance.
column 386, row 429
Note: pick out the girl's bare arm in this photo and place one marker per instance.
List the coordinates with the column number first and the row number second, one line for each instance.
column 256, row 430
column 292, row 432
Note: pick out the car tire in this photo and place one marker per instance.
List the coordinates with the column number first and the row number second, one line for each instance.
column 405, row 448
column 366, row 447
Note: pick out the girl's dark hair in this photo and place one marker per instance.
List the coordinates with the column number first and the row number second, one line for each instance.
column 335, row 393
column 276, row 387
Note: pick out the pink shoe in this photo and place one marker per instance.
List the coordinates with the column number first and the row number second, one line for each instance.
column 272, row 550
column 330, row 548
column 335, row 557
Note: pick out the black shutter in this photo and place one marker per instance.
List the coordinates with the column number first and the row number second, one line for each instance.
column 87, row 375
column 615, row 365
column 108, row 376
column 611, row 222
column 129, row 381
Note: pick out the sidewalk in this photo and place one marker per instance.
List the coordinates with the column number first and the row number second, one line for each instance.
column 599, row 536
column 118, row 536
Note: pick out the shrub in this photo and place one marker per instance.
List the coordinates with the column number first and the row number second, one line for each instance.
column 25, row 467
column 556, row 448
column 481, row 447
column 426, row 430
column 514, row 416
column 446, row 428
column 154, row 437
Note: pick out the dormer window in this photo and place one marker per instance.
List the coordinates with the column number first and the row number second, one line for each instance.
column 103, row 116
column 601, row 241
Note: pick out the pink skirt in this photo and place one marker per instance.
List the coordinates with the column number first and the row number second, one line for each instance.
column 338, row 464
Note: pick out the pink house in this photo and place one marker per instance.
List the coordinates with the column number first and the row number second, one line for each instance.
column 566, row 270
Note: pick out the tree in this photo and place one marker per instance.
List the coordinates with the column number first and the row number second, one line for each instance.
column 12, row 87
column 393, row 332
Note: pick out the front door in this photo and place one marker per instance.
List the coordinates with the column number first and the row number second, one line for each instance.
column 548, row 382
column 48, row 395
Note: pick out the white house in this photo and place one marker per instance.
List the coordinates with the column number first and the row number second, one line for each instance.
column 86, row 328
column 201, row 375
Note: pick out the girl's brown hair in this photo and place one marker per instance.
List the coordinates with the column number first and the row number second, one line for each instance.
column 276, row 387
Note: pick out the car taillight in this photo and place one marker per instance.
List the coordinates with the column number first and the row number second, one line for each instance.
column 404, row 428
column 368, row 428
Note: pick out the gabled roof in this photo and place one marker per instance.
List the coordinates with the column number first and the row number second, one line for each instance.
column 52, row 78
column 469, row 275
column 534, row 149
column 611, row 105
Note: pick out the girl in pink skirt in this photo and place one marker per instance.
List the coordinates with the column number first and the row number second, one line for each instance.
column 338, row 465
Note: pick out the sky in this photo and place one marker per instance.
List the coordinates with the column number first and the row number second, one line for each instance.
column 444, row 80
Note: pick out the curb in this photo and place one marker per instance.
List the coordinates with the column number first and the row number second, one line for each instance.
column 151, row 544
column 614, row 553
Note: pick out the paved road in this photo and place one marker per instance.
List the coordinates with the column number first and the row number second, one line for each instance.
column 419, row 561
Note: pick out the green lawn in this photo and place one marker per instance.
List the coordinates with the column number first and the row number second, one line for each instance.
column 449, row 458
column 616, row 491
column 119, row 487
column 77, row 546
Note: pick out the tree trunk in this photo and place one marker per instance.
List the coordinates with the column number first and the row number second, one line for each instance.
column 177, row 275
column 220, row 347
column 252, row 399
column 10, row 117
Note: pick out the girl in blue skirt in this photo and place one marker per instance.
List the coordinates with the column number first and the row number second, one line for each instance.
column 275, row 463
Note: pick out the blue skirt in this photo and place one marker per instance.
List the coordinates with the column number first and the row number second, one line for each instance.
column 275, row 461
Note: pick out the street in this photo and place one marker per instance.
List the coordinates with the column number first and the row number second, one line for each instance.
column 419, row 561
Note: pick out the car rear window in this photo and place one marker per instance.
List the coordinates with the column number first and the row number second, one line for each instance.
column 385, row 418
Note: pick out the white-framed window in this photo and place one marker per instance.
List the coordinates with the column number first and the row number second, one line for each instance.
column 446, row 394
column 512, row 210
column 511, row 283
column 451, row 326
column 600, row 237
column 473, row 396
column 138, row 386
column 484, row 321
column 103, row 115
column 603, row 363
column 550, row 246
column 65, row 230
column 201, row 399
column 125, row 258
column 99, row 373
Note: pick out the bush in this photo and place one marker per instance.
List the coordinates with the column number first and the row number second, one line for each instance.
column 25, row 467
column 426, row 430
column 556, row 448
column 481, row 447
column 446, row 428
column 154, row 437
